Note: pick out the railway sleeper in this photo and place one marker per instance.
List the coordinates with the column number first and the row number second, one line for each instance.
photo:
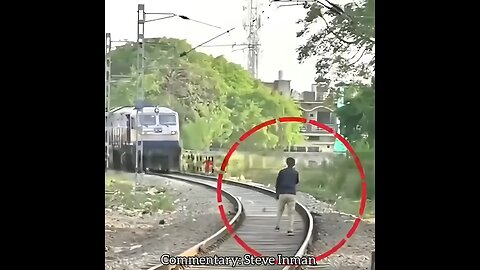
column 215, row 244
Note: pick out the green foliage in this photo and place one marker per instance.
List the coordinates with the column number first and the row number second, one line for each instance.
column 335, row 182
column 217, row 101
column 345, row 49
column 338, row 177
column 357, row 117
column 345, row 45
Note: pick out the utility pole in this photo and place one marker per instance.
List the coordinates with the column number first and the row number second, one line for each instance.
column 108, row 82
column 140, row 89
column 140, row 100
column 140, row 95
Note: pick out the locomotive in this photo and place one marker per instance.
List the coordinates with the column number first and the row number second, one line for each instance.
column 159, row 135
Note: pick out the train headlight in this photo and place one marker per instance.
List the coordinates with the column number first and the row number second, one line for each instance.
column 156, row 110
column 173, row 132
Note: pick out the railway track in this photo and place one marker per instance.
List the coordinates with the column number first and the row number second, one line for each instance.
column 254, row 223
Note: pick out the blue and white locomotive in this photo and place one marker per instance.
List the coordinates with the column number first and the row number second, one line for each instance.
column 160, row 136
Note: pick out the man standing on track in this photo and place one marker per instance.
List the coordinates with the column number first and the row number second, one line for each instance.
column 286, row 189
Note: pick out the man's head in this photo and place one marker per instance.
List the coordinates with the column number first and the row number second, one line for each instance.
column 290, row 162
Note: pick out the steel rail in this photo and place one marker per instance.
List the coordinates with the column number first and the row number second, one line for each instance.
column 211, row 242
column 257, row 234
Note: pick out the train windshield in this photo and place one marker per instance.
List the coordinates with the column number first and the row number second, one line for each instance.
column 167, row 119
column 147, row 120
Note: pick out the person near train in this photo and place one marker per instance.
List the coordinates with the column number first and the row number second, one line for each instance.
column 209, row 165
column 286, row 189
column 190, row 163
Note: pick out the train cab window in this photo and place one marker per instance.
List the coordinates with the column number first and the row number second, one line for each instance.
column 167, row 119
column 148, row 119
column 132, row 120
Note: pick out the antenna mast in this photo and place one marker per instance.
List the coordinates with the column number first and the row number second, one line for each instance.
column 251, row 25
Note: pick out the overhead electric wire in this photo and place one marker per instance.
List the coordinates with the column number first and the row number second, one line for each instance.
column 200, row 45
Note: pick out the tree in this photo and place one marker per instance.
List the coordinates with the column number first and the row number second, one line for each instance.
column 345, row 45
column 357, row 117
column 345, row 49
column 217, row 101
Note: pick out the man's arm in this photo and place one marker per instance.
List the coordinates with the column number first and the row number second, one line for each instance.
column 298, row 178
column 277, row 183
column 278, row 180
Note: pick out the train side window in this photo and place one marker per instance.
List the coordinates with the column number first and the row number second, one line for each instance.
column 128, row 120
column 132, row 126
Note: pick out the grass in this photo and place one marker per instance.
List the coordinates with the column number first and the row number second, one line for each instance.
column 121, row 195
column 311, row 182
column 337, row 183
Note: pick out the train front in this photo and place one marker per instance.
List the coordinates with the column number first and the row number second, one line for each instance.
column 161, row 139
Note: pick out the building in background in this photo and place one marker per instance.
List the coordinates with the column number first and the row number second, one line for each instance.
column 282, row 86
column 312, row 103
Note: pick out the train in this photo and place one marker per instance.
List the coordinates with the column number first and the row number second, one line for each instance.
column 159, row 135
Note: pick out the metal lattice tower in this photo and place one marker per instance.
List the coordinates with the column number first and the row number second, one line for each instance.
column 252, row 25
column 140, row 86
column 108, row 83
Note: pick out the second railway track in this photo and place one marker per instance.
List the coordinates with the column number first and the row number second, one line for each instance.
column 256, row 227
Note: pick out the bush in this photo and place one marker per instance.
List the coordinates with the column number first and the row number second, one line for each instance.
column 120, row 194
column 338, row 181
column 327, row 181
column 340, row 177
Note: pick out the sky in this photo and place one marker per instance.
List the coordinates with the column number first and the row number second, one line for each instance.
column 277, row 34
